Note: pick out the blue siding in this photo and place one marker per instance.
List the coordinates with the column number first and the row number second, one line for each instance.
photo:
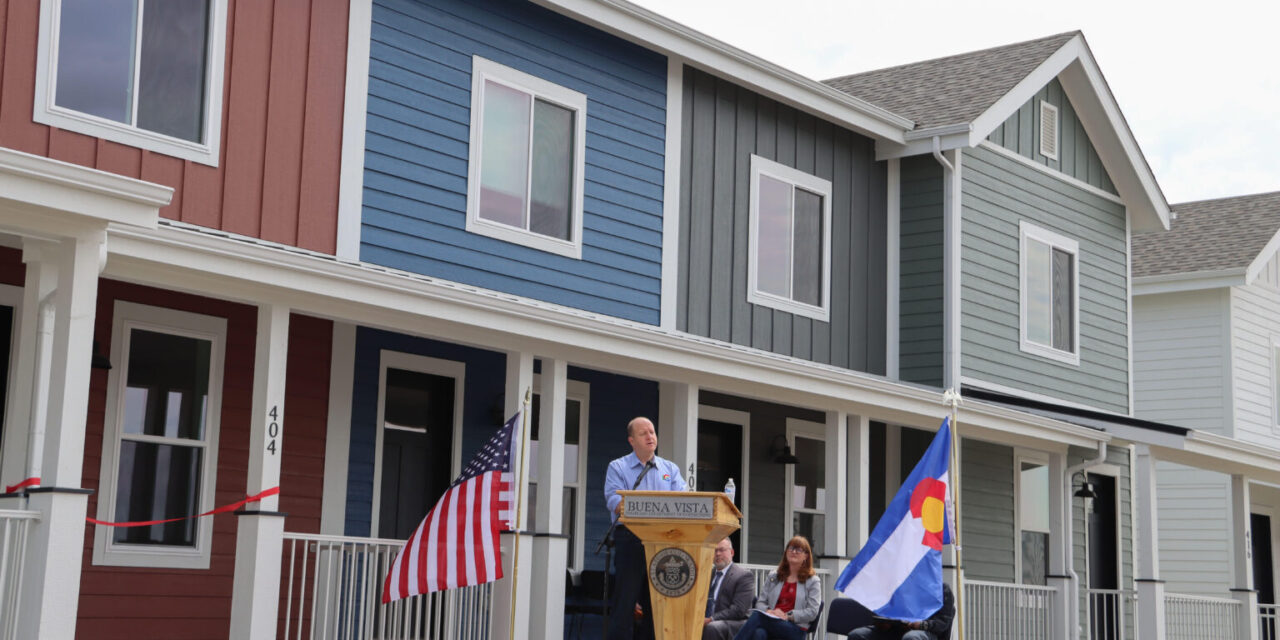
column 417, row 139
column 482, row 390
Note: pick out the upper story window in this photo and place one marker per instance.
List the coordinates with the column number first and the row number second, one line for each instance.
column 790, row 258
column 1050, row 294
column 527, row 145
column 1275, row 379
column 145, row 73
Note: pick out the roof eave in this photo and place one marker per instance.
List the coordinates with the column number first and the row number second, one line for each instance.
column 1189, row 281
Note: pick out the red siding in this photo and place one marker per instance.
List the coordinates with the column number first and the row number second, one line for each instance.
column 277, row 178
column 127, row 602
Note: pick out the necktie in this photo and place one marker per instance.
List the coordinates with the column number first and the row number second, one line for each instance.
column 711, row 593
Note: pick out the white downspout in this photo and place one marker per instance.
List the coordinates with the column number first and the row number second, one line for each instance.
column 1073, row 609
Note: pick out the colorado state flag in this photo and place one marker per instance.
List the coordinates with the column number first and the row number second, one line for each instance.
column 898, row 573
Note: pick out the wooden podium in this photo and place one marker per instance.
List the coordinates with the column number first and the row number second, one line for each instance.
column 680, row 530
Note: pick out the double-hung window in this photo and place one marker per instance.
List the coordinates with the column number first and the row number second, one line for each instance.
column 1050, row 294
column 527, row 145
column 160, row 437
column 145, row 73
column 790, row 245
column 1033, row 519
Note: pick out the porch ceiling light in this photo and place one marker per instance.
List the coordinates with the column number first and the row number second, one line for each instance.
column 782, row 454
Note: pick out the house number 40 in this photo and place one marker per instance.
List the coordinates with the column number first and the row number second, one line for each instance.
column 273, row 428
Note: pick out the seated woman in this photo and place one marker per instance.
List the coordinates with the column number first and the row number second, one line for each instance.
column 790, row 599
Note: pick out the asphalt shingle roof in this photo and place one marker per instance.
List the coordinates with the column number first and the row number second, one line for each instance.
column 951, row 90
column 1209, row 235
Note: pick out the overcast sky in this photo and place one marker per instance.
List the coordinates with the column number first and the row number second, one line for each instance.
column 1199, row 83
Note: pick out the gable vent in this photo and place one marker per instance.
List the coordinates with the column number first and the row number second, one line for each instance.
column 1048, row 130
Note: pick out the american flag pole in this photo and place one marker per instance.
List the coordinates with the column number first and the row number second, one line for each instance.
column 520, row 509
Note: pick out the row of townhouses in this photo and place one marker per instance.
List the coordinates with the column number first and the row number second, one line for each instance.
column 327, row 246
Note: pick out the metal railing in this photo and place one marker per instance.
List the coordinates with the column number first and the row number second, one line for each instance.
column 761, row 571
column 1200, row 617
column 333, row 591
column 1269, row 621
column 1005, row 611
column 14, row 528
column 1111, row 613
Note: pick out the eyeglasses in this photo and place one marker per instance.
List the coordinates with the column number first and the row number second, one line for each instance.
column 797, row 550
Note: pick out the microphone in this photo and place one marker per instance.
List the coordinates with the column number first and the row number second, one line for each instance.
column 647, row 466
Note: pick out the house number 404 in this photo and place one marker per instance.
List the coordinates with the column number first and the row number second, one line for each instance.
column 273, row 428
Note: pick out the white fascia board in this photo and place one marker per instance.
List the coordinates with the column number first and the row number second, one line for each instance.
column 1074, row 66
column 1260, row 261
column 1226, row 455
column 654, row 31
column 180, row 258
column 952, row 136
column 1190, row 281
column 36, row 184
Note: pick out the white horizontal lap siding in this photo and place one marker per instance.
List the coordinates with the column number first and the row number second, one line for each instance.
column 1180, row 358
column 1194, row 528
column 1255, row 320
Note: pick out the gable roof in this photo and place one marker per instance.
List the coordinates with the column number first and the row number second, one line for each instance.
column 1207, row 236
column 954, row 89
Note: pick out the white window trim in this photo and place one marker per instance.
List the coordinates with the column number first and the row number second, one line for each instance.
column 1035, row 457
column 46, row 112
column 742, row 485
column 483, row 70
column 1046, row 108
column 581, row 392
column 796, row 178
column 1275, row 381
column 802, row 429
column 126, row 317
column 1028, row 231
column 388, row 359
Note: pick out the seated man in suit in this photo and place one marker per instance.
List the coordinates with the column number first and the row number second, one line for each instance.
column 935, row 627
column 729, row 599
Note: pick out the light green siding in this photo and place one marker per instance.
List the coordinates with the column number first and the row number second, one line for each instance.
column 920, row 302
column 987, row 528
column 998, row 193
column 1076, row 155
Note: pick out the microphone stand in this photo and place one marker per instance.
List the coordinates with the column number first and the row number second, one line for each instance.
column 607, row 540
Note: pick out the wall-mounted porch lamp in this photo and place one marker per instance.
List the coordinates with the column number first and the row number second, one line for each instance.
column 782, row 454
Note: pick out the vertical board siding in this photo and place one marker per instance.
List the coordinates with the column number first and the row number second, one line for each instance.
column 1076, row 155
column 987, row 511
column 418, row 136
column 1195, row 529
column 1180, row 359
column 998, row 193
column 921, row 249
column 1255, row 326
column 724, row 124
column 283, row 92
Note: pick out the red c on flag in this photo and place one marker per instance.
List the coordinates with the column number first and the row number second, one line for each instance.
column 928, row 504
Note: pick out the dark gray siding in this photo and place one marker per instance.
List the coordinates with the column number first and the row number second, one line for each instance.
column 1076, row 155
column 725, row 124
column 988, row 530
column 999, row 192
column 920, row 302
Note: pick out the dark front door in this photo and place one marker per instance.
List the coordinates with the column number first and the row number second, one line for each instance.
column 417, row 448
column 1105, row 613
column 1263, row 575
column 720, row 458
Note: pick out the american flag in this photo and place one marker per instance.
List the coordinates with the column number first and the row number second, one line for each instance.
column 457, row 543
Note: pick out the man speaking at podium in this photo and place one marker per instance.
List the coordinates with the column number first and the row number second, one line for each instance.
column 640, row 470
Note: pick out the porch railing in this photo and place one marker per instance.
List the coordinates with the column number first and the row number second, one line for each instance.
column 1190, row 617
column 333, row 591
column 1269, row 619
column 1003, row 611
column 14, row 528
column 1111, row 614
column 761, row 571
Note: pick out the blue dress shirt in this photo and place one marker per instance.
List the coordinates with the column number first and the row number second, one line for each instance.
column 665, row 476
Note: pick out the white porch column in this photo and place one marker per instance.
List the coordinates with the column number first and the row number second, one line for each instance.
column 51, row 575
column 41, row 279
column 1242, row 559
column 1149, row 585
column 678, row 425
column 550, row 543
column 260, row 528
column 506, row 597
column 859, row 479
column 1059, row 574
column 836, row 440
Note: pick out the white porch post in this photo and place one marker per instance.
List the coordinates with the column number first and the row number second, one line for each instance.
column 1242, row 559
column 550, row 544
column 835, row 520
column 1059, row 574
column 678, row 425
column 51, row 584
column 507, row 598
column 260, row 528
column 1150, row 587
column 858, row 472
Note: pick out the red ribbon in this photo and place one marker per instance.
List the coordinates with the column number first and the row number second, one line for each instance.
column 29, row 482
column 223, row 509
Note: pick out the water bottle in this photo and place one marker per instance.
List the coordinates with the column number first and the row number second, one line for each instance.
column 730, row 489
